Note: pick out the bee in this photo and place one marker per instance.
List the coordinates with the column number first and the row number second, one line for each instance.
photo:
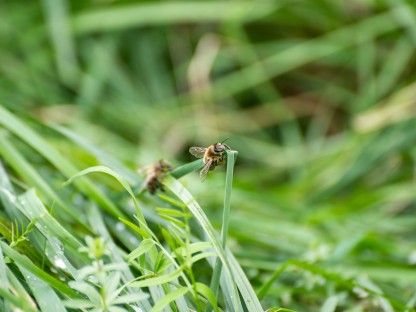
column 214, row 155
column 154, row 174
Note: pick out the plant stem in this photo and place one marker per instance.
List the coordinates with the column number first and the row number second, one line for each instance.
column 187, row 168
column 231, row 158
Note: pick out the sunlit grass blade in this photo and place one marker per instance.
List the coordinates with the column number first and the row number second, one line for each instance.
column 117, row 254
column 18, row 297
column 159, row 280
column 25, row 262
column 28, row 172
column 167, row 13
column 231, row 158
column 44, row 148
column 207, row 292
column 4, row 283
column 120, row 179
column 45, row 296
column 144, row 246
column 105, row 158
column 171, row 296
column 177, row 188
column 33, row 208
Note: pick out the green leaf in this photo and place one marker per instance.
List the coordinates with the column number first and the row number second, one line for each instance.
column 163, row 279
column 83, row 287
column 145, row 245
column 203, row 255
column 110, row 285
column 145, row 14
column 28, row 265
column 120, row 179
column 17, row 301
column 205, row 291
column 193, row 248
column 33, row 208
column 105, row 158
column 79, row 304
column 171, row 212
column 171, row 296
column 279, row 310
column 135, row 228
column 330, row 304
column 4, row 283
column 130, row 298
column 173, row 220
column 247, row 291
column 171, row 201
column 44, row 148
column 46, row 298
column 24, row 168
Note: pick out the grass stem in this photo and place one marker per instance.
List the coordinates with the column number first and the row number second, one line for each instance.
column 231, row 158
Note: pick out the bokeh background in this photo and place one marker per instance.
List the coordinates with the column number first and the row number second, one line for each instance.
column 318, row 97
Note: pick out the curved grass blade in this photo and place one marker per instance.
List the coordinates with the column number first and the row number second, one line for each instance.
column 33, row 139
column 120, row 179
column 159, row 280
column 144, row 246
column 205, row 291
column 105, row 158
column 33, row 208
column 26, row 263
column 46, row 298
column 179, row 190
column 28, row 172
column 171, row 296
column 95, row 218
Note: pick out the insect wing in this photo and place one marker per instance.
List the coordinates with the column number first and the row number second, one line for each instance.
column 205, row 170
column 143, row 171
column 198, row 152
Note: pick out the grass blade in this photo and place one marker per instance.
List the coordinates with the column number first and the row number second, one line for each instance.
column 168, row 13
column 231, row 157
column 30, row 137
column 171, row 296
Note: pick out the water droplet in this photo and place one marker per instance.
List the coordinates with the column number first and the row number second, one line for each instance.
column 59, row 263
column 136, row 308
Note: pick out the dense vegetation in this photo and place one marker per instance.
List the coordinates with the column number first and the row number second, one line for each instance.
column 317, row 97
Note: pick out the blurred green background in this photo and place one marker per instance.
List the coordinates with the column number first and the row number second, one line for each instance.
column 318, row 97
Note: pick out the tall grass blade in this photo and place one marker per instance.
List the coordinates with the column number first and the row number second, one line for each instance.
column 231, row 157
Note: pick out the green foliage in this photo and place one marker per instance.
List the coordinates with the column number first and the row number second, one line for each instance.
column 317, row 96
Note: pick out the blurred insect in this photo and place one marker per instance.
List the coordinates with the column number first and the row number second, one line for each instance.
column 154, row 174
column 214, row 155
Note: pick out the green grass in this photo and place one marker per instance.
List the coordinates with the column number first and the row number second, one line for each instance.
column 316, row 96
